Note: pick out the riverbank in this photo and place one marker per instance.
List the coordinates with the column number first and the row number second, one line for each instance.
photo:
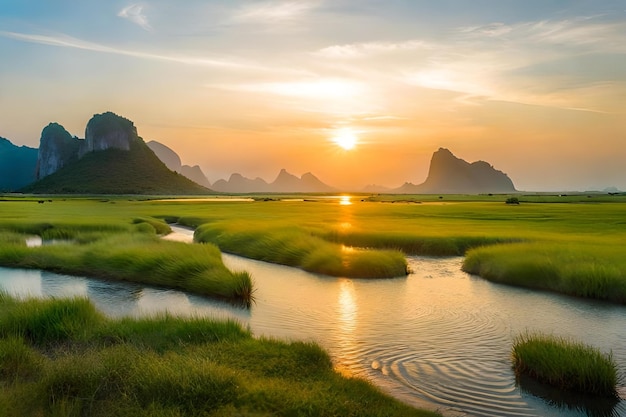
column 61, row 357
column 136, row 255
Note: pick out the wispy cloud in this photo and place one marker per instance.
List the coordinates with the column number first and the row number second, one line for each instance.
column 71, row 42
column 134, row 13
column 274, row 11
column 504, row 62
column 322, row 89
column 359, row 50
column 330, row 96
column 591, row 33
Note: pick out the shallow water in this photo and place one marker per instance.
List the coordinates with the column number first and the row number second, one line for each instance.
column 439, row 338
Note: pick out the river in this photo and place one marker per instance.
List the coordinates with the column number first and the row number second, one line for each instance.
column 438, row 339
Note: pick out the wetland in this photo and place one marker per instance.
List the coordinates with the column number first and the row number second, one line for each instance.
column 438, row 338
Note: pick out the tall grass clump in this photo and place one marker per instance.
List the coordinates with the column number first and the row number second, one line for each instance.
column 411, row 243
column 578, row 269
column 160, row 226
column 18, row 360
column 50, row 321
column 11, row 238
column 566, row 364
column 195, row 268
column 298, row 248
column 167, row 366
column 139, row 257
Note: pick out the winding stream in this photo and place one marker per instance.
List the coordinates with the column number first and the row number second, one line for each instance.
column 438, row 339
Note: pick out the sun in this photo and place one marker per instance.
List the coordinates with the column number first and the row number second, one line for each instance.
column 345, row 138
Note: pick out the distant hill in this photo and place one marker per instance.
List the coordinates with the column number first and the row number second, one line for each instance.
column 284, row 183
column 112, row 159
column 376, row 189
column 171, row 159
column 451, row 175
column 195, row 174
column 17, row 165
column 166, row 155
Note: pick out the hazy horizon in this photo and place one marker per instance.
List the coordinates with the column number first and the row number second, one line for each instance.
column 356, row 92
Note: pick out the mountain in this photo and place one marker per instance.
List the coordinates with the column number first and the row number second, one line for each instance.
column 284, row 183
column 166, row 155
column 376, row 189
column 171, row 159
column 112, row 159
column 239, row 184
column 195, row 174
column 451, row 175
column 57, row 148
column 17, row 165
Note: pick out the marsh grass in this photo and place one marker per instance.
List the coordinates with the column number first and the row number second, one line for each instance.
column 312, row 235
column 296, row 247
column 43, row 323
column 139, row 257
column 167, row 366
column 578, row 269
column 160, row 226
column 566, row 364
column 412, row 244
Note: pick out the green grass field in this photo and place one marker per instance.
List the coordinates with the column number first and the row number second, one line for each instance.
column 569, row 244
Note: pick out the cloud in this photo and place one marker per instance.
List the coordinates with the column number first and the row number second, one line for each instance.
column 134, row 13
column 331, row 96
column 324, row 89
column 358, row 50
column 505, row 62
column 587, row 33
column 71, row 42
column 274, row 11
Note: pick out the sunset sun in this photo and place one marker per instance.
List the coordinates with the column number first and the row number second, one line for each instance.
column 345, row 138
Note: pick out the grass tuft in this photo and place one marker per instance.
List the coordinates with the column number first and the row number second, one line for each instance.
column 578, row 269
column 56, row 320
column 298, row 248
column 566, row 364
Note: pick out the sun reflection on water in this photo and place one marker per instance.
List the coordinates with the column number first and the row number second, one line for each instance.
column 345, row 200
column 347, row 326
column 347, row 306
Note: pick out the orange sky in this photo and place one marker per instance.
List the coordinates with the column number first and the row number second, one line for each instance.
column 256, row 86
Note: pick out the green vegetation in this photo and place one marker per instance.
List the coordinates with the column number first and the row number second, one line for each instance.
column 125, row 251
column 580, row 269
column 115, row 171
column 570, row 244
column 565, row 364
column 60, row 357
column 293, row 246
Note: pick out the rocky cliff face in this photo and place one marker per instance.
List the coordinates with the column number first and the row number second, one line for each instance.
column 56, row 149
column 106, row 131
column 451, row 175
